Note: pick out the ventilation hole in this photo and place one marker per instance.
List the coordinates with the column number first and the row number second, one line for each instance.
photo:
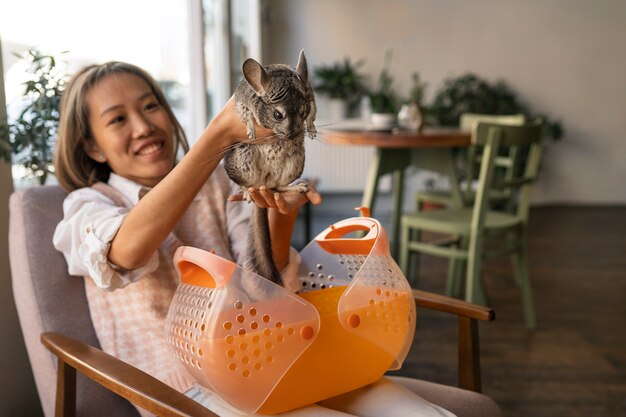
column 245, row 360
column 241, row 332
column 258, row 366
column 240, row 318
column 354, row 320
column 243, row 346
column 266, row 318
column 256, row 352
column 320, row 267
column 232, row 366
column 304, row 283
column 290, row 331
column 321, row 276
column 331, row 277
column 280, row 338
column 230, row 353
column 372, row 301
column 268, row 346
column 199, row 365
column 313, row 285
column 307, row 332
column 279, row 324
column 245, row 373
column 229, row 339
column 387, row 293
column 202, row 327
column 269, row 359
column 228, row 325
column 267, row 332
column 255, row 339
column 378, row 291
column 254, row 325
column 238, row 304
column 252, row 312
column 199, row 352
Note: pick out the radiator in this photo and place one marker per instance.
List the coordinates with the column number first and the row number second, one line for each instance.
column 337, row 168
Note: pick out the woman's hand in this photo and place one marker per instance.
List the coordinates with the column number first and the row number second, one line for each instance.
column 230, row 124
column 284, row 202
column 282, row 217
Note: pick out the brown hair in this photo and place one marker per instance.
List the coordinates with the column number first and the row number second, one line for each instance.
column 73, row 167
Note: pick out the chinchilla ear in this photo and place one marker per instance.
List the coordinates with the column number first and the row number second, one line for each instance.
column 301, row 68
column 256, row 76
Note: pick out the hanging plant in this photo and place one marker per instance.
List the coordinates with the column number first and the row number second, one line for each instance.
column 29, row 139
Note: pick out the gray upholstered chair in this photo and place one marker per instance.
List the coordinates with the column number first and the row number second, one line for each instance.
column 55, row 321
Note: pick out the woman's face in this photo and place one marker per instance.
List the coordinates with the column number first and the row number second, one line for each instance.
column 131, row 131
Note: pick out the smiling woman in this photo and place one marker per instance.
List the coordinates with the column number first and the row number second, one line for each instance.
column 130, row 129
column 162, row 48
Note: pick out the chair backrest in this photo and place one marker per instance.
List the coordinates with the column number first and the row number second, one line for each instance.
column 506, row 162
column 48, row 299
column 523, row 140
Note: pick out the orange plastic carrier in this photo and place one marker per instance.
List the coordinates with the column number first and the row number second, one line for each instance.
column 266, row 350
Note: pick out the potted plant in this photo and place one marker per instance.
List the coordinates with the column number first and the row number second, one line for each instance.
column 469, row 93
column 384, row 99
column 29, row 139
column 342, row 83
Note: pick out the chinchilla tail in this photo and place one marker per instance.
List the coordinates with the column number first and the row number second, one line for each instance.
column 260, row 247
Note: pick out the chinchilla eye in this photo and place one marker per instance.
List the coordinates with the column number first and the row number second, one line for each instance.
column 278, row 115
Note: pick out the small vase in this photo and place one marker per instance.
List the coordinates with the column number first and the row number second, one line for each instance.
column 411, row 117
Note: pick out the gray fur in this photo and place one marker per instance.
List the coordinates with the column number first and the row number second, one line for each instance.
column 274, row 163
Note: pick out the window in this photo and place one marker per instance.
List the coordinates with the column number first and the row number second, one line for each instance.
column 181, row 43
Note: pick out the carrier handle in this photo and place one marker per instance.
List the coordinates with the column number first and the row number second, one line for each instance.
column 332, row 239
column 201, row 268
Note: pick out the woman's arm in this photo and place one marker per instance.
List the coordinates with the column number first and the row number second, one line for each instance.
column 156, row 215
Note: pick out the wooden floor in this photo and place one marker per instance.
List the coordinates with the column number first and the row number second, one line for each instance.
column 574, row 363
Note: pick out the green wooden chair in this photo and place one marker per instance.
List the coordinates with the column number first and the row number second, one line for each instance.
column 469, row 227
column 449, row 197
column 461, row 190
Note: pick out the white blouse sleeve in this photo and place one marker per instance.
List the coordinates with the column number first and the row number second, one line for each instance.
column 90, row 221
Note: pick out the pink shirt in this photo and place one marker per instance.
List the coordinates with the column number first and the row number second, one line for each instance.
column 128, row 308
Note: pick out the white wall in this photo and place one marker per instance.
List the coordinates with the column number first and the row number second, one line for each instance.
column 564, row 57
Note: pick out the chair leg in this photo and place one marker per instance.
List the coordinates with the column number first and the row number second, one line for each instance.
column 474, row 292
column 405, row 252
column 515, row 240
column 453, row 282
column 524, row 277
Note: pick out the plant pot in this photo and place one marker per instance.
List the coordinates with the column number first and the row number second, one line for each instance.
column 383, row 120
column 331, row 109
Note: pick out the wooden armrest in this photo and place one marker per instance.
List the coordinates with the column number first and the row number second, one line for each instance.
column 452, row 305
column 469, row 347
column 123, row 379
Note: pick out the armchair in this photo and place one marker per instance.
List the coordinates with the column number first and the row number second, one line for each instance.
column 55, row 321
